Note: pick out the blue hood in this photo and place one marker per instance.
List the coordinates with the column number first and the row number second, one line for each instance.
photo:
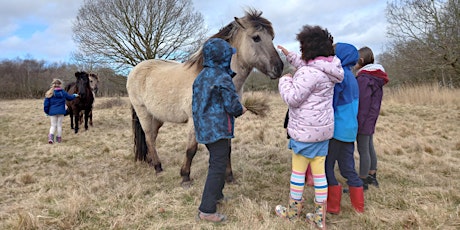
column 217, row 53
column 347, row 53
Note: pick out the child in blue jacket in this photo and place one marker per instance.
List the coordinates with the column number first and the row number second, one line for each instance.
column 54, row 107
column 215, row 104
column 342, row 144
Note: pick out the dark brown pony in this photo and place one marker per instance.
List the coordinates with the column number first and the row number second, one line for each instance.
column 82, row 103
column 93, row 82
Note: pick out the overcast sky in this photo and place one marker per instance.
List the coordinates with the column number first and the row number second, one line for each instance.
column 42, row 29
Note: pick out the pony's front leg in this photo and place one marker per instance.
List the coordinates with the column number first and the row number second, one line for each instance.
column 228, row 171
column 86, row 118
column 71, row 120
column 77, row 119
column 192, row 147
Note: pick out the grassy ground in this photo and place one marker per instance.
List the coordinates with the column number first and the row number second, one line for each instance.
column 90, row 181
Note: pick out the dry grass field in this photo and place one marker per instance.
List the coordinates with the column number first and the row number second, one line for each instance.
column 91, row 181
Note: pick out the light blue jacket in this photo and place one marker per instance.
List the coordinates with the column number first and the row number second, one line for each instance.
column 346, row 95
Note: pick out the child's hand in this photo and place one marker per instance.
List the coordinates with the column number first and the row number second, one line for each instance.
column 244, row 109
column 76, row 95
column 284, row 50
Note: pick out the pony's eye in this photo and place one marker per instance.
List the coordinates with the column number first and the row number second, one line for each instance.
column 256, row 38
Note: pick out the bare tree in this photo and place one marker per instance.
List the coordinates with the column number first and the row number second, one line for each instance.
column 426, row 35
column 127, row 32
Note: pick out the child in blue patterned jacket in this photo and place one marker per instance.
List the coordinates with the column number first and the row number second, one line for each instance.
column 215, row 104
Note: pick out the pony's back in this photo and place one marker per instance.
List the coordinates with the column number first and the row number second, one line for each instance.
column 164, row 88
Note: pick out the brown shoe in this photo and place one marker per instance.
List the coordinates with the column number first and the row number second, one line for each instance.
column 211, row 217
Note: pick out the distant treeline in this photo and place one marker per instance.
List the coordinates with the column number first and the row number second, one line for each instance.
column 28, row 78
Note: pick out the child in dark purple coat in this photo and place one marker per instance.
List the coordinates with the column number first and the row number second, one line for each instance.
column 371, row 79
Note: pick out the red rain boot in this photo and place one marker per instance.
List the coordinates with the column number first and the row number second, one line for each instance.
column 334, row 196
column 309, row 177
column 357, row 198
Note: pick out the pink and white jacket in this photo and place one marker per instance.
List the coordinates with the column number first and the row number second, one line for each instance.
column 309, row 95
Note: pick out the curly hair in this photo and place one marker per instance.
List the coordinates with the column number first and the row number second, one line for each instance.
column 314, row 42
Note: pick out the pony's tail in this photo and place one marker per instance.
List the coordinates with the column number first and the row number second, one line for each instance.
column 140, row 146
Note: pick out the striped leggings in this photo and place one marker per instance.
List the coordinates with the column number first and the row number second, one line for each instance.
column 299, row 167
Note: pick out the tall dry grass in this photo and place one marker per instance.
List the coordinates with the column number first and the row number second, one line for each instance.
column 90, row 181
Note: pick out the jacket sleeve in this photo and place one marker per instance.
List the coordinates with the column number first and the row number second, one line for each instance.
column 46, row 106
column 364, row 99
column 68, row 97
column 232, row 103
column 295, row 60
column 294, row 90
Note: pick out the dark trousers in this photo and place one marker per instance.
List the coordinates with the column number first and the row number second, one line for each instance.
column 342, row 152
column 219, row 153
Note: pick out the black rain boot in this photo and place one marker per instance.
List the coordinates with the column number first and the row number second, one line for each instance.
column 372, row 180
column 365, row 183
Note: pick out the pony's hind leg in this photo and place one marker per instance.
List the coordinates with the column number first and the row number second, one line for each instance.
column 91, row 117
column 71, row 118
column 150, row 127
column 228, row 171
column 151, row 134
column 192, row 147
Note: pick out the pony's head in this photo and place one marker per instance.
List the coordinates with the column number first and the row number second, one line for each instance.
column 82, row 83
column 93, row 82
column 252, row 36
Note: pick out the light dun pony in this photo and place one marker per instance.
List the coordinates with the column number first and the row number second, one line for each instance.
column 94, row 84
column 161, row 91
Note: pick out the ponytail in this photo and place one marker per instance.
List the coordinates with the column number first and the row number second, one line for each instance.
column 49, row 93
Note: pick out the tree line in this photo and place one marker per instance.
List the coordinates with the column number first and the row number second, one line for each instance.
column 29, row 78
column 425, row 45
column 424, row 48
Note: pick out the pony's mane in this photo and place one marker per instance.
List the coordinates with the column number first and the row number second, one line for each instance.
column 252, row 17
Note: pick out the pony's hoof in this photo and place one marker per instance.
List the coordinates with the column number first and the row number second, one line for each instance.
column 186, row 184
column 158, row 168
column 230, row 179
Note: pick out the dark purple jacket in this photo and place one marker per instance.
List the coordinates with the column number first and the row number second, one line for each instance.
column 371, row 79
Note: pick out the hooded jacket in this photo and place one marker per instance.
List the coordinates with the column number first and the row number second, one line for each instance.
column 308, row 95
column 55, row 105
column 215, row 102
column 346, row 95
column 371, row 79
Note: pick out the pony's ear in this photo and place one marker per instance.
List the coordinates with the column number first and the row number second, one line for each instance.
column 237, row 20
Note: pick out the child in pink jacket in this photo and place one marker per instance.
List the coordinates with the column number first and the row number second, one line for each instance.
column 309, row 95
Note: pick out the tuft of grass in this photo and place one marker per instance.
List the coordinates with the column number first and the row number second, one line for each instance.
column 256, row 103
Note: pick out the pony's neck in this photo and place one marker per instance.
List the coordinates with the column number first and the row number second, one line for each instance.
column 242, row 74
